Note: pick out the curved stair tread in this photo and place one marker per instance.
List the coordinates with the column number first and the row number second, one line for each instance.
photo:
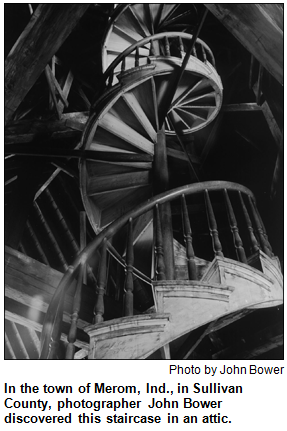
column 134, row 22
column 126, row 121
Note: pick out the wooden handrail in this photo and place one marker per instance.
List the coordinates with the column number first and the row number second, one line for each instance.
column 179, row 36
column 53, row 316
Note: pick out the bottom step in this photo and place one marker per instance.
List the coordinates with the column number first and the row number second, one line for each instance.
column 131, row 337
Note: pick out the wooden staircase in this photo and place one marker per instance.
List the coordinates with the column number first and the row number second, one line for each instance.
column 142, row 62
column 160, row 85
column 214, row 292
column 133, row 22
column 221, row 296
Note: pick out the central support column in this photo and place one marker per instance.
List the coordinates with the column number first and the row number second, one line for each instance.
column 161, row 184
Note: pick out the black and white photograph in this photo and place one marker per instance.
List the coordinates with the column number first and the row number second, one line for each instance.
column 144, row 182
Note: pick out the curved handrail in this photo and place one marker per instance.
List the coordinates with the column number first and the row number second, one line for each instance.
column 54, row 311
column 148, row 39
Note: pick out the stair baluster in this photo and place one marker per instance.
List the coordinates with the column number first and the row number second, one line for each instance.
column 192, row 270
column 264, row 230
column 217, row 248
column 234, row 229
column 129, row 283
column 137, row 57
column 100, row 290
column 160, row 266
column 254, row 242
column 203, row 54
column 111, row 78
column 123, row 65
column 152, row 48
column 72, row 336
column 166, row 46
column 52, row 325
column 56, row 333
column 181, row 47
column 259, row 228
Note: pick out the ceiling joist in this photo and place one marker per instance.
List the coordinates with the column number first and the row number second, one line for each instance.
column 46, row 31
column 259, row 27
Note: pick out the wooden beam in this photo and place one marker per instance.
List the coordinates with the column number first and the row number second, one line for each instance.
column 259, row 27
column 33, row 284
column 9, row 347
column 46, row 31
column 34, row 339
column 24, row 131
column 57, row 86
column 17, row 337
column 38, row 151
column 37, row 302
column 51, row 85
column 47, row 183
column 241, row 107
column 9, row 315
column 66, row 89
column 278, row 138
column 273, row 126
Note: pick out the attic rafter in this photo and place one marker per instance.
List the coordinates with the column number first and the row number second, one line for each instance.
column 48, row 152
column 259, row 27
column 28, row 130
column 278, row 138
column 46, row 31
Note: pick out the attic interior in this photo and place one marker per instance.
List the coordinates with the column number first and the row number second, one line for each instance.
column 81, row 153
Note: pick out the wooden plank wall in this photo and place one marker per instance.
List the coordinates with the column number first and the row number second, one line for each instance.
column 29, row 287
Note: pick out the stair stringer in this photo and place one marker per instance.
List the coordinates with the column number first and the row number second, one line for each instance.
column 130, row 337
column 227, row 287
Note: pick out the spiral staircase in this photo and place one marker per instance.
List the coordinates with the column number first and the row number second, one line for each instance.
column 159, row 86
column 174, row 173
column 131, row 111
